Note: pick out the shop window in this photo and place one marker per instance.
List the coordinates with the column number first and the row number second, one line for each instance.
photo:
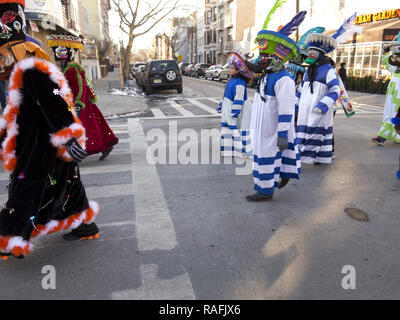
column 366, row 62
column 375, row 61
column 375, row 50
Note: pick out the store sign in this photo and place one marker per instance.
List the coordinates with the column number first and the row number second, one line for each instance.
column 379, row 16
column 390, row 34
column 48, row 11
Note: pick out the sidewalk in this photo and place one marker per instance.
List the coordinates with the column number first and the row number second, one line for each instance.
column 115, row 104
column 367, row 98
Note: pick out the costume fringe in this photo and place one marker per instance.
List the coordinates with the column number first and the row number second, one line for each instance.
column 17, row 246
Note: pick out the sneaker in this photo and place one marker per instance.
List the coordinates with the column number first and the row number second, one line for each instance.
column 105, row 154
column 4, row 256
column 379, row 141
column 258, row 197
column 84, row 231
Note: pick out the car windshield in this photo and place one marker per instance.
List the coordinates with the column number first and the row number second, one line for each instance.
column 162, row 65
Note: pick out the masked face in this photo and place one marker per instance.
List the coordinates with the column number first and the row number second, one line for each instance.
column 262, row 45
column 7, row 62
column 312, row 56
column 394, row 60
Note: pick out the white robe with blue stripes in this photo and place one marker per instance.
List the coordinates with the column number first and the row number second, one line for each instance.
column 272, row 118
column 235, row 120
column 315, row 130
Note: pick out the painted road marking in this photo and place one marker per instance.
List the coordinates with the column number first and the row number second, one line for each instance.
column 155, row 228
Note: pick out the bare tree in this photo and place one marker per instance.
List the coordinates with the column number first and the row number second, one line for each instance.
column 131, row 21
column 177, row 38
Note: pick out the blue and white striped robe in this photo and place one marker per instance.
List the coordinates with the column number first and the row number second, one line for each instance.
column 315, row 130
column 272, row 118
column 235, row 120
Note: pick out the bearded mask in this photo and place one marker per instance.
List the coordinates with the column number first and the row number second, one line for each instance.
column 7, row 62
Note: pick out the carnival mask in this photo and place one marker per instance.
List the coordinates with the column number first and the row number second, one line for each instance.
column 62, row 53
column 7, row 62
column 262, row 45
column 394, row 60
column 312, row 56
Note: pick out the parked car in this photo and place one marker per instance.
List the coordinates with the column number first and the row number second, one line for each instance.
column 141, row 70
column 183, row 66
column 134, row 69
column 213, row 72
column 224, row 73
column 199, row 70
column 188, row 70
column 162, row 74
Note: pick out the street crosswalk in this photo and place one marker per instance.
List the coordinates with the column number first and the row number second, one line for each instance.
column 206, row 107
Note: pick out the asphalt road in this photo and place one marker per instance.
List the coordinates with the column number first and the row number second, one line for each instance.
column 185, row 231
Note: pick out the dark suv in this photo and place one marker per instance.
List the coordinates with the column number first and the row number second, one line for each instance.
column 162, row 74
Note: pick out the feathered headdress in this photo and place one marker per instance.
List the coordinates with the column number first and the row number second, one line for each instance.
column 328, row 43
column 278, row 43
column 302, row 44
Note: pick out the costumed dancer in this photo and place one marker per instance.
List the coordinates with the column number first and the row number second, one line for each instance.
column 100, row 137
column 42, row 141
column 276, row 155
column 236, row 111
column 316, row 98
column 392, row 102
column 297, row 73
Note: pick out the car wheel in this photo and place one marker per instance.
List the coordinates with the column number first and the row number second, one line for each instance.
column 170, row 75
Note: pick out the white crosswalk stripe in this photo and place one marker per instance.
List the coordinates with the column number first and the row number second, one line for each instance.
column 180, row 109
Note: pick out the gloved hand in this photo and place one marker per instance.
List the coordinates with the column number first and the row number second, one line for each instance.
column 78, row 110
column 75, row 150
column 249, row 55
column 283, row 143
column 317, row 110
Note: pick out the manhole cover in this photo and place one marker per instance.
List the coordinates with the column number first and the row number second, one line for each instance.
column 357, row 214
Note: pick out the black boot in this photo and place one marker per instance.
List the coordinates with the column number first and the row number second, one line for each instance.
column 84, row 231
column 105, row 154
column 283, row 182
column 258, row 197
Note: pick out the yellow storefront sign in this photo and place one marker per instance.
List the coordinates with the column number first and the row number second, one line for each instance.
column 379, row 16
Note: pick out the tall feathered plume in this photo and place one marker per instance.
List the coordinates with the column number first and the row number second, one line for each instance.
column 345, row 26
column 348, row 33
column 293, row 25
column 277, row 5
column 302, row 42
